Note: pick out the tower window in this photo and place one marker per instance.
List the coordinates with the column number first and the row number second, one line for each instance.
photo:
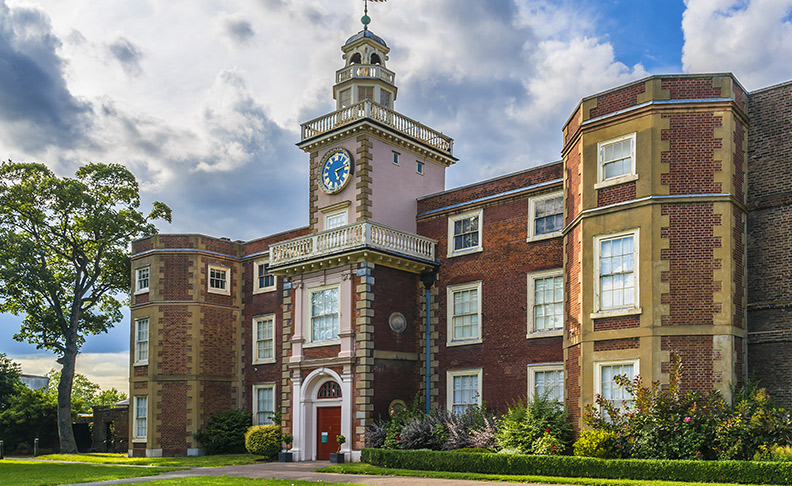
column 419, row 168
column 385, row 98
column 346, row 98
column 396, row 158
column 365, row 93
column 375, row 59
column 355, row 58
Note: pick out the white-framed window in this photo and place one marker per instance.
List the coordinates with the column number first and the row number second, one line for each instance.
column 335, row 219
column 616, row 267
column 546, row 216
column 365, row 93
column 142, row 277
column 464, row 313
column 264, row 339
column 263, row 281
column 419, row 168
column 396, row 157
column 263, row 404
column 463, row 389
column 219, row 281
column 616, row 161
column 141, row 417
column 141, row 341
column 546, row 380
column 346, row 98
column 605, row 384
column 385, row 98
column 324, row 309
column 545, row 302
column 464, row 233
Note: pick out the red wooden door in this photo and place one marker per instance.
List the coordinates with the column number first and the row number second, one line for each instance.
column 328, row 426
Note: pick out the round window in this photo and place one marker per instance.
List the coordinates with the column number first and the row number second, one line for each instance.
column 397, row 322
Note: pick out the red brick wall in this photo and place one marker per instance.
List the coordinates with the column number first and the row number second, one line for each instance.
column 572, row 376
column 174, row 339
column 171, row 412
column 696, row 353
column 614, row 323
column 617, row 100
column 218, row 346
column 616, row 344
column 572, row 288
column 686, row 88
column 691, row 167
column 502, row 267
column 616, row 194
column 690, row 256
column 176, row 274
column 395, row 291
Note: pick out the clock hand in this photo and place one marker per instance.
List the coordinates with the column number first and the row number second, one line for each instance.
column 336, row 171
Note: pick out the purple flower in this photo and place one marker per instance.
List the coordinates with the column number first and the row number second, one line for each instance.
column 687, row 419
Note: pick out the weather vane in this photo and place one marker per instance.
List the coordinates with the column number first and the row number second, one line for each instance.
column 366, row 19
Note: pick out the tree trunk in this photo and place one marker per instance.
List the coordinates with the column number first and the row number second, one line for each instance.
column 67, row 443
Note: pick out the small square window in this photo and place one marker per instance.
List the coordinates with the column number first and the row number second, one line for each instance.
column 605, row 381
column 365, row 93
column 464, row 233
column 546, row 216
column 335, row 219
column 141, row 341
column 616, row 161
column 463, row 390
column 419, row 168
column 263, row 404
column 396, row 158
column 464, row 314
column 219, row 280
column 142, row 279
column 263, row 280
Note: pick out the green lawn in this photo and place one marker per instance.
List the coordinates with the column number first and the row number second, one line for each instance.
column 33, row 473
column 362, row 468
column 226, row 481
column 185, row 461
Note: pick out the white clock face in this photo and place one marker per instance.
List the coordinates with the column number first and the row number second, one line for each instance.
column 336, row 170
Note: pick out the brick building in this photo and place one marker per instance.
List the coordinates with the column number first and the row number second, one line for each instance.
column 665, row 226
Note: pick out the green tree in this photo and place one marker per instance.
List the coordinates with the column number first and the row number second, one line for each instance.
column 64, row 257
column 109, row 397
column 30, row 414
column 9, row 380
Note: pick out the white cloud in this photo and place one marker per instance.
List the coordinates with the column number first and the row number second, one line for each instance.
column 108, row 370
column 751, row 38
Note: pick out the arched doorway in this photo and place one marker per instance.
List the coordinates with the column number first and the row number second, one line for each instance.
column 328, row 419
column 324, row 413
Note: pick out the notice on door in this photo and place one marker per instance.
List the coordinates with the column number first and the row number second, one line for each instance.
column 324, row 437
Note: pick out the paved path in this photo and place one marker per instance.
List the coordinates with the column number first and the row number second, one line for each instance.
column 297, row 470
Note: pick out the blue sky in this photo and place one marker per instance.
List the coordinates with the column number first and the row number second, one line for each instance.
column 202, row 99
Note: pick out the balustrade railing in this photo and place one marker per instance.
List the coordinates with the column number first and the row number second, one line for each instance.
column 375, row 111
column 358, row 235
column 365, row 71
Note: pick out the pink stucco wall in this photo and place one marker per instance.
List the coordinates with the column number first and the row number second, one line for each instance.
column 395, row 188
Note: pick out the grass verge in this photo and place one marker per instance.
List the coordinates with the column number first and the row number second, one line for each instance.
column 186, row 461
column 363, row 468
column 227, row 481
column 33, row 473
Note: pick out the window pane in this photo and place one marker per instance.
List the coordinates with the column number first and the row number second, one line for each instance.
column 324, row 315
column 466, row 233
column 465, row 314
column 465, row 392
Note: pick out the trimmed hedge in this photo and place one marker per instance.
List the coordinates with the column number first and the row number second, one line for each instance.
column 584, row 467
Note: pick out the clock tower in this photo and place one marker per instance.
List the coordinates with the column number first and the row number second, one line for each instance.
column 352, row 346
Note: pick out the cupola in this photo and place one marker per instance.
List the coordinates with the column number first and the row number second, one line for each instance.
column 364, row 75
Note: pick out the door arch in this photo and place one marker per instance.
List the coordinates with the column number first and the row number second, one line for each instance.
column 336, row 399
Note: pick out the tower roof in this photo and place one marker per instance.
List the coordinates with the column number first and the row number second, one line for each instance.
column 366, row 33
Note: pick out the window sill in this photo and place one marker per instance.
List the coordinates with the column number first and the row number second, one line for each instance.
column 219, row 292
column 319, row 344
column 630, row 311
column 544, row 334
column 463, row 343
column 140, row 363
column 616, row 181
column 546, row 236
column 140, row 292
column 262, row 362
column 264, row 290
column 466, row 251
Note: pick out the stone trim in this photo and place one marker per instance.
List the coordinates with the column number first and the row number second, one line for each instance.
column 364, row 351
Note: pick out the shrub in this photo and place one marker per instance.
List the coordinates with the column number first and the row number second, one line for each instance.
column 596, row 443
column 585, row 467
column 774, row 453
column 225, row 432
column 376, row 433
column 548, row 445
column 524, row 424
column 472, row 450
column 264, row 440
